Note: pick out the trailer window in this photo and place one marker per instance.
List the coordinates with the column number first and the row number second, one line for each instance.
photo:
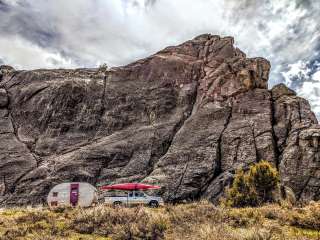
column 55, row 194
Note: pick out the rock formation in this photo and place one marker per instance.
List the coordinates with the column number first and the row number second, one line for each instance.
column 186, row 118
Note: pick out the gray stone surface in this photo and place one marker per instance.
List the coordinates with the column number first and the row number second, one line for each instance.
column 3, row 98
column 185, row 118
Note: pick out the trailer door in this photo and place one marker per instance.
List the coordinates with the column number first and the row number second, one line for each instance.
column 74, row 194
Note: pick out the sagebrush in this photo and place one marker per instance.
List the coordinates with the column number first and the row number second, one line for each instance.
column 198, row 220
column 254, row 187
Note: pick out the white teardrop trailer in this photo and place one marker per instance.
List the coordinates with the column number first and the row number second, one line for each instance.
column 72, row 194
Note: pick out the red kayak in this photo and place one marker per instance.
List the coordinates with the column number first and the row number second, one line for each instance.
column 129, row 186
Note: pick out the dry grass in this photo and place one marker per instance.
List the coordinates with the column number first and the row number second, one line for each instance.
column 199, row 220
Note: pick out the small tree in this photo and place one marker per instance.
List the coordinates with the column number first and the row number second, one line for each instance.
column 240, row 193
column 265, row 179
column 254, row 187
column 103, row 67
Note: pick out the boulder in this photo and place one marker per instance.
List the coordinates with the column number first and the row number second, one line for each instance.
column 3, row 98
column 185, row 118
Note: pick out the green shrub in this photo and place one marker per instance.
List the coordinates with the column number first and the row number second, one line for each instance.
column 264, row 178
column 241, row 192
column 254, row 187
column 103, row 67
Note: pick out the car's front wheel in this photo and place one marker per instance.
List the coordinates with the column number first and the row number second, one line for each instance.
column 154, row 204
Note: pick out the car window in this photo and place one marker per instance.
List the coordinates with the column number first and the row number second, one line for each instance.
column 131, row 194
column 139, row 194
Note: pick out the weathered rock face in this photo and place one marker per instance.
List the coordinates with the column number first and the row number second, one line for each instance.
column 297, row 138
column 185, row 118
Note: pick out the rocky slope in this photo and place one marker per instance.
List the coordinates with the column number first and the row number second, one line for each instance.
column 185, row 118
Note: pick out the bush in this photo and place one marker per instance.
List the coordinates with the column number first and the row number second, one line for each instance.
column 103, row 67
column 197, row 220
column 254, row 187
column 241, row 192
column 121, row 223
column 264, row 178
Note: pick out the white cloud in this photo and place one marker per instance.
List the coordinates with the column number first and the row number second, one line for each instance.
column 23, row 54
column 298, row 70
column 311, row 91
column 316, row 76
column 11, row 2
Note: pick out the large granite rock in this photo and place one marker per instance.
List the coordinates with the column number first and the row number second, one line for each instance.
column 185, row 118
column 3, row 98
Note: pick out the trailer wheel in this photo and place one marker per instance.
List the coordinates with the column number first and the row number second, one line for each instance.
column 153, row 204
column 117, row 203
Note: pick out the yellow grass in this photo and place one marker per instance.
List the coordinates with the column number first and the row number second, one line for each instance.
column 199, row 220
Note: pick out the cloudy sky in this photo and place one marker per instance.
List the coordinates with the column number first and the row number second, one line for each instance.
column 86, row 33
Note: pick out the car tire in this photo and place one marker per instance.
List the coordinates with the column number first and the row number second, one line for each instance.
column 117, row 204
column 153, row 204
